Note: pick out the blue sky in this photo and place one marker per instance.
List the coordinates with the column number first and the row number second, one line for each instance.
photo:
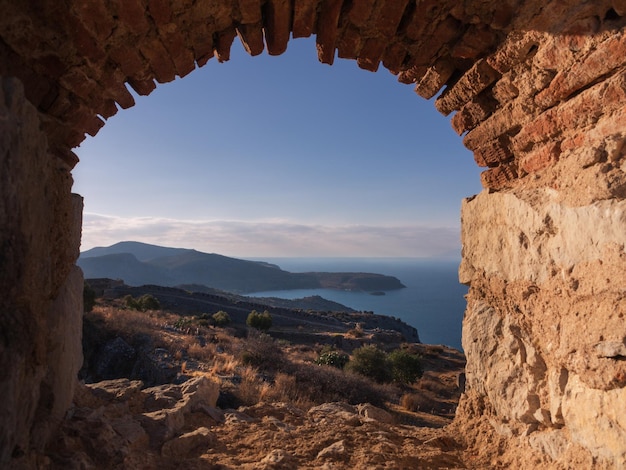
column 278, row 156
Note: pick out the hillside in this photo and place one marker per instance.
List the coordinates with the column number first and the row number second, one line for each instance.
column 140, row 263
column 166, row 389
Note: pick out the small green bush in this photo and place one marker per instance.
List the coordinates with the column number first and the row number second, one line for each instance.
column 183, row 323
column 143, row 303
column 406, row 368
column 332, row 358
column 221, row 318
column 149, row 302
column 371, row 362
column 131, row 302
column 259, row 321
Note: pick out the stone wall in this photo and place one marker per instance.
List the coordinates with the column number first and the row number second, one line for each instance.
column 538, row 92
column 41, row 301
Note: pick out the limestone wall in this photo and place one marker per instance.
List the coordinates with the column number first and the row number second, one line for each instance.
column 544, row 331
column 41, row 301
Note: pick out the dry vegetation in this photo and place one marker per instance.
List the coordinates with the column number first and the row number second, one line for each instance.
column 253, row 367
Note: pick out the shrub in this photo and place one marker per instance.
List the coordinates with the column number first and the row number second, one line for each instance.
column 406, row 368
column 424, row 403
column 436, row 387
column 89, row 298
column 327, row 384
column 183, row 323
column 333, row 358
column 417, row 402
column 221, row 319
column 260, row 321
column 261, row 351
column 149, row 302
column 131, row 302
column 371, row 362
column 143, row 303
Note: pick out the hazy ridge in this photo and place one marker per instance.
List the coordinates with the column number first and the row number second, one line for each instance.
column 140, row 263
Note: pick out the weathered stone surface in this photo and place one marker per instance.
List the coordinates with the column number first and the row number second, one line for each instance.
column 189, row 444
column 40, row 239
column 473, row 82
column 528, row 361
column 538, row 235
column 583, row 405
column 371, row 412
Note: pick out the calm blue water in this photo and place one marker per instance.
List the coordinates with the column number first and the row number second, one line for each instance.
column 432, row 302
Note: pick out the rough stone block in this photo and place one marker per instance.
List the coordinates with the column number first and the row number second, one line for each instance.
column 412, row 75
column 132, row 13
column 499, row 177
column 393, row 57
column 494, row 153
column 159, row 59
column 129, row 60
column 277, row 24
column 604, row 59
column 435, row 78
column 160, row 11
column 540, row 158
column 387, row 16
column 349, row 43
column 181, row 56
column 223, row 43
column 304, row 18
column 327, row 30
column 370, row 53
column 142, row 87
column 189, row 444
column 360, row 12
column 250, row 11
column 251, row 37
column 514, row 50
column 475, row 80
column 473, row 113
column 95, row 16
column 474, row 42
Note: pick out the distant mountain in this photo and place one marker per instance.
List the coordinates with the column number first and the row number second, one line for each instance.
column 141, row 251
column 140, row 263
column 124, row 266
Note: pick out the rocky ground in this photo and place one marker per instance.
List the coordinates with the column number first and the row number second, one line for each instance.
column 178, row 394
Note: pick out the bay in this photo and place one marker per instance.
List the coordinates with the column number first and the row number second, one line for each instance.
column 433, row 300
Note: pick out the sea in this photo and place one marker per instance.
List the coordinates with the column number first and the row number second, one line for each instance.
column 433, row 300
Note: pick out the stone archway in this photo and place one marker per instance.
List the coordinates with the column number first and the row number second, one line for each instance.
column 538, row 90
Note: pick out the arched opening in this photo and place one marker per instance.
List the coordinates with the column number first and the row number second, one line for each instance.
column 538, row 92
column 286, row 157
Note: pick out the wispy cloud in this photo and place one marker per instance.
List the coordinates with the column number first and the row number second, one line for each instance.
column 271, row 238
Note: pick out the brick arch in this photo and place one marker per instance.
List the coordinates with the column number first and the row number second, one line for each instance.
column 78, row 60
column 538, row 92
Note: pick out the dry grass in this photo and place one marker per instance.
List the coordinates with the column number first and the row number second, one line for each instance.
column 204, row 353
column 225, row 364
column 260, row 368
column 435, row 386
column 249, row 390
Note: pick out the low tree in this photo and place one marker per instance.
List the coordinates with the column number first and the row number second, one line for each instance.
column 143, row 303
column 131, row 302
column 149, row 302
column 221, row 318
column 259, row 321
column 371, row 362
column 333, row 358
column 406, row 368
